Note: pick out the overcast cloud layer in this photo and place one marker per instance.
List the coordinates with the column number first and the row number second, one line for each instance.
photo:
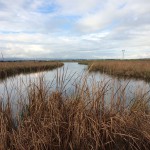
column 75, row 28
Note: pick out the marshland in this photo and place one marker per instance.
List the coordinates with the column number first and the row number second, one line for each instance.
column 72, row 108
column 138, row 69
column 13, row 68
column 74, row 75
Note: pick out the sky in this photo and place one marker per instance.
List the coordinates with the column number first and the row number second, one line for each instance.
column 88, row 29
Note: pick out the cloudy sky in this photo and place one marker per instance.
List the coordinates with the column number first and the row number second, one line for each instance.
column 75, row 28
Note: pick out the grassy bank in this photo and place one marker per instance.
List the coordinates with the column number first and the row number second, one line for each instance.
column 12, row 68
column 51, row 120
column 128, row 69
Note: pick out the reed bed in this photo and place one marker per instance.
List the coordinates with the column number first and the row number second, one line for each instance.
column 128, row 69
column 53, row 120
column 12, row 68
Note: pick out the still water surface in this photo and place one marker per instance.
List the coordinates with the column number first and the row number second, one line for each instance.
column 16, row 86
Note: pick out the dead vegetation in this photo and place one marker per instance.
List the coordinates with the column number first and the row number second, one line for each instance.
column 128, row 68
column 52, row 120
column 12, row 68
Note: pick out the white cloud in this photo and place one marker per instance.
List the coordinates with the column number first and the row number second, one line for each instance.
column 74, row 28
column 78, row 7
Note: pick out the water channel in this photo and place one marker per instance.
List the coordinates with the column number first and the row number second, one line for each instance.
column 72, row 72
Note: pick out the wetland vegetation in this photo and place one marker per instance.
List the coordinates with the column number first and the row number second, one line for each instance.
column 12, row 68
column 138, row 69
column 49, row 118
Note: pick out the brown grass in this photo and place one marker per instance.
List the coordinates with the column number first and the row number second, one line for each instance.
column 13, row 68
column 129, row 69
column 51, row 120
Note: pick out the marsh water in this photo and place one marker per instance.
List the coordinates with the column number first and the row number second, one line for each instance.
column 14, row 88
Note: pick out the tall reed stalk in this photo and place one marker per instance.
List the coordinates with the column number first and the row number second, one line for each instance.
column 53, row 120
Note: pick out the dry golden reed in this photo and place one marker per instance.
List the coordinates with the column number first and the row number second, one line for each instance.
column 52, row 120
column 13, row 68
column 129, row 69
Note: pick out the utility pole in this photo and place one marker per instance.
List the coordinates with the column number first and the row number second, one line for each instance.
column 2, row 56
column 123, row 51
